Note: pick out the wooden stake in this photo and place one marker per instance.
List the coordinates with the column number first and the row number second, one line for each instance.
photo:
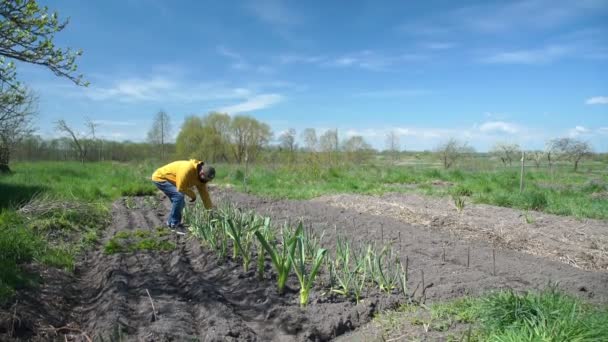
column 468, row 256
column 443, row 254
column 382, row 233
column 493, row 261
column 521, row 177
column 422, row 275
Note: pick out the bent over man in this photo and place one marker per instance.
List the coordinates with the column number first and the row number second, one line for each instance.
column 177, row 179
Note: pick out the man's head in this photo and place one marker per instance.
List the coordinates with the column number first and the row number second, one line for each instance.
column 206, row 173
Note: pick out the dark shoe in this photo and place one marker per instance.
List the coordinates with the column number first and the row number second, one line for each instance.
column 178, row 229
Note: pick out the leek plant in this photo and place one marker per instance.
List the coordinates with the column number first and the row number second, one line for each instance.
column 299, row 259
column 280, row 256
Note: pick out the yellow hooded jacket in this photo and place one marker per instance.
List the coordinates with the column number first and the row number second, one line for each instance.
column 184, row 175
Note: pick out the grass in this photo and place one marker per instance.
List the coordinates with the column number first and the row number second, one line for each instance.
column 139, row 240
column 548, row 315
column 51, row 211
column 561, row 192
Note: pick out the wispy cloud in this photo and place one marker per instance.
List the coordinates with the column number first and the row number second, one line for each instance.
column 365, row 59
column 163, row 89
column 531, row 56
column 392, row 93
column 114, row 123
column 597, row 100
column 373, row 60
column 603, row 130
column 579, row 131
column 499, row 127
column 238, row 62
column 273, row 12
column 255, row 103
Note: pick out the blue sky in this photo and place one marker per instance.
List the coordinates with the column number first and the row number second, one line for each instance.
column 483, row 72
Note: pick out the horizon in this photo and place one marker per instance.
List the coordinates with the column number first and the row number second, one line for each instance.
column 483, row 72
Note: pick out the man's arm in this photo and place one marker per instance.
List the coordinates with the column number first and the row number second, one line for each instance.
column 202, row 190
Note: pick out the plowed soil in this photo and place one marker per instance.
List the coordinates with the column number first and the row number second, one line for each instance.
column 187, row 294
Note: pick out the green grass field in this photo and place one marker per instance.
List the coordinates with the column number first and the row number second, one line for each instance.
column 67, row 206
column 563, row 192
column 506, row 316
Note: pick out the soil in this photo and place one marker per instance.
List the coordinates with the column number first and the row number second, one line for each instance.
column 197, row 297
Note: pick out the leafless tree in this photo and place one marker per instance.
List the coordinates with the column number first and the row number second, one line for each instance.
column 77, row 139
column 288, row 140
column 452, row 149
column 571, row 149
column 356, row 148
column 160, row 131
column 392, row 144
column 309, row 136
column 506, row 152
column 328, row 143
column 536, row 157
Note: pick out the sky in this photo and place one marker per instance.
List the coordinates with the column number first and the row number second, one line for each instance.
column 480, row 71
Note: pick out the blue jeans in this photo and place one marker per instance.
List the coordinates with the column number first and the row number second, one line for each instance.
column 177, row 201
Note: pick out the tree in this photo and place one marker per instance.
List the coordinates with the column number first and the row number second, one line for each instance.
column 248, row 136
column 356, row 148
column 451, row 150
column 309, row 136
column 506, row 152
column 392, row 144
column 17, row 111
column 287, row 140
column 62, row 126
column 536, row 157
column 159, row 132
column 206, row 138
column 571, row 149
column 26, row 35
column 328, row 143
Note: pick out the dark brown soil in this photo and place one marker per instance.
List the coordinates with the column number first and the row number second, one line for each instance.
column 198, row 298
column 425, row 248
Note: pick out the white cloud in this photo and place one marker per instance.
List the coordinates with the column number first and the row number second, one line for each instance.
column 498, row 127
column 300, row 59
column 132, row 89
column 603, row 130
column 578, row 131
column 114, row 123
column 532, row 56
column 254, row 103
column 597, row 100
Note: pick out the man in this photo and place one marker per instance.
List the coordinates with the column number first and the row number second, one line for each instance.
column 176, row 180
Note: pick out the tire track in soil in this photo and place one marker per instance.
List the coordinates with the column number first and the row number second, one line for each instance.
column 197, row 299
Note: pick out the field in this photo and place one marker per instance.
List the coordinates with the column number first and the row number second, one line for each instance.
column 94, row 261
